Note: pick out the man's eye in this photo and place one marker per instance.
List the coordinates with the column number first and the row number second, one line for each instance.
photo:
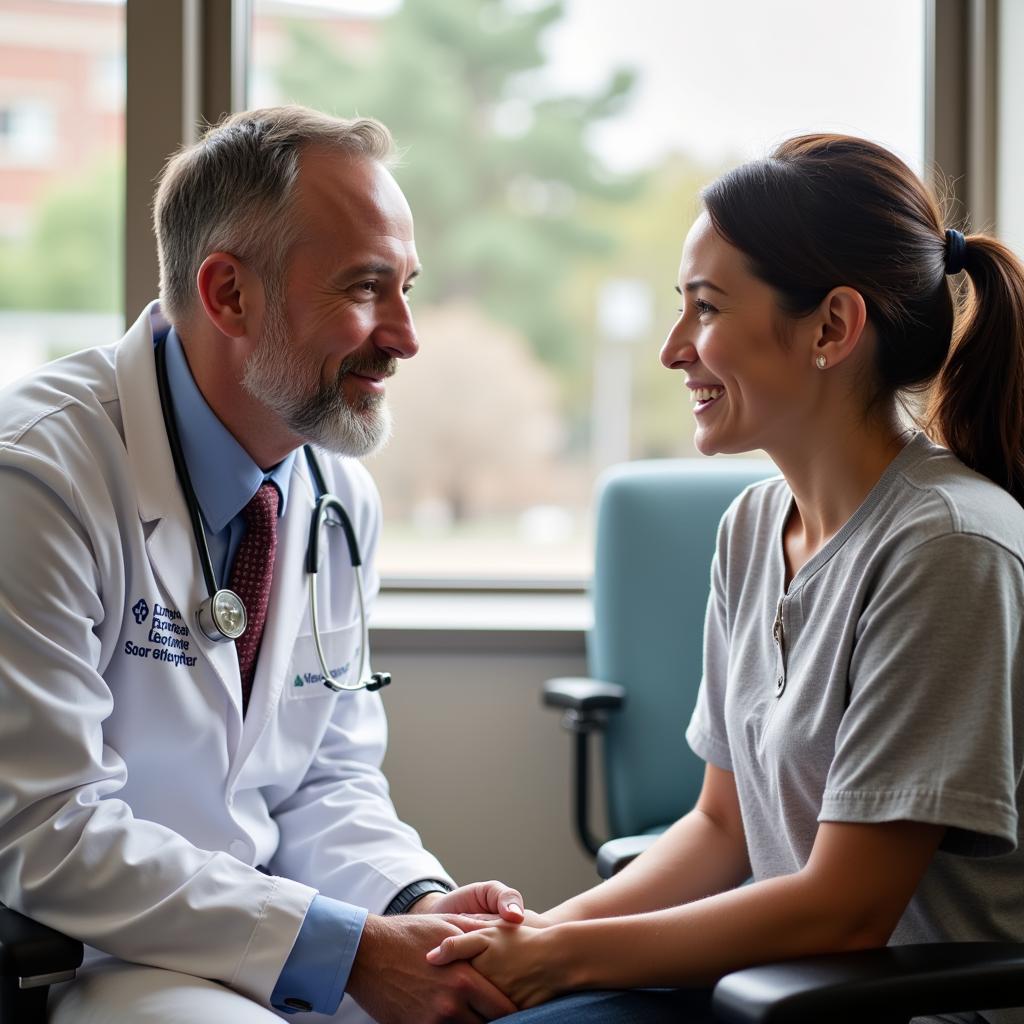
column 367, row 286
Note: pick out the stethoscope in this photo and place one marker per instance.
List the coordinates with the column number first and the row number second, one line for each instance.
column 221, row 616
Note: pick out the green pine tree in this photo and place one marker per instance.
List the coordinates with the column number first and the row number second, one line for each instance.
column 497, row 176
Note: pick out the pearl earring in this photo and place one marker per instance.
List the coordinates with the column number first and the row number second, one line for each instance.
column 821, row 362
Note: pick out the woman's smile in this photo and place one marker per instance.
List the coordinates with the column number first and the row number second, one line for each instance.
column 704, row 396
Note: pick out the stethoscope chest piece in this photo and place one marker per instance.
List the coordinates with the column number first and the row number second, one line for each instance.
column 222, row 617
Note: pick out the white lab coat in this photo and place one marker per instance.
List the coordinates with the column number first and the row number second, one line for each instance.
column 134, row 799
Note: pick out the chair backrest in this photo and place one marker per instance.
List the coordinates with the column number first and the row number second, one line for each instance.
column 656, row 527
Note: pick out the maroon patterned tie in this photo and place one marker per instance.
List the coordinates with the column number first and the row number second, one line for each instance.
column 251, row 576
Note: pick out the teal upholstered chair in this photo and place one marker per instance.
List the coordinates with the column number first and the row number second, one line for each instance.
column 656, row 527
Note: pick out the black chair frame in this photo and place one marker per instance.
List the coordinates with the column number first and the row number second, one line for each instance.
column 32, row 958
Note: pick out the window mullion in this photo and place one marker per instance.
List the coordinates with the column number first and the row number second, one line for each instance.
column 185, row 68
column 960, row 105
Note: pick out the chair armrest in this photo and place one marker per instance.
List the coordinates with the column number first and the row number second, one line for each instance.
column 583, row 695
column 880, row 985
column 585, row 704
column 617, row 853
column 33, row 953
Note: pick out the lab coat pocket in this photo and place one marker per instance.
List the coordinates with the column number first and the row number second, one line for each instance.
column 342, row 650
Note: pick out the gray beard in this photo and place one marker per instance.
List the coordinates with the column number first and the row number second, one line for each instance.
column 289, row 385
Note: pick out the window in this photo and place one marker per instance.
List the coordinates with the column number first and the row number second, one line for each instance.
column 28, row 135
column 1010, row 143
column 552, row 162
column 61, row 171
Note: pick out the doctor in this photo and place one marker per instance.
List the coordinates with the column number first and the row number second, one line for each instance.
column 207, row 816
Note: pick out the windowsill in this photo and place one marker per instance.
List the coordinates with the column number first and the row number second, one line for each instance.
column 525, row 622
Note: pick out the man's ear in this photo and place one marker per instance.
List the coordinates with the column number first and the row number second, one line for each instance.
column 231, row 294
column 839, row 322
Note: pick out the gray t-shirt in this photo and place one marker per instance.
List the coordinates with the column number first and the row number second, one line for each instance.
column 886, row 683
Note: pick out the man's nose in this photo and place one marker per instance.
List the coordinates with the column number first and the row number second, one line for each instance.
column 397, row 334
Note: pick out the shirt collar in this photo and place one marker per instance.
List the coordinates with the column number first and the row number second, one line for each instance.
column 224, row 475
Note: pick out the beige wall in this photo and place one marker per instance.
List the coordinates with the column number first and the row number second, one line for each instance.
column 482, row 770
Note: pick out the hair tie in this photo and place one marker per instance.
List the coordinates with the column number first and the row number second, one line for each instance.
column 956, row 251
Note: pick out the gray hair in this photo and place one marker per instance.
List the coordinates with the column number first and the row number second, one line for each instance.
column 231, row 192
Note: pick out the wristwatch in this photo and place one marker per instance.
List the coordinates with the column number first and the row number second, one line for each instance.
column 414, row 891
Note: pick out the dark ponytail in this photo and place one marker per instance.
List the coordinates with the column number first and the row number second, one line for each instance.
column 977, row 404
column 830, row 210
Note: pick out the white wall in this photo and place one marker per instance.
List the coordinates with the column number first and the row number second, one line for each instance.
column 482, row 770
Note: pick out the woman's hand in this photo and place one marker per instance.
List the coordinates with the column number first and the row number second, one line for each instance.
column 524, row 962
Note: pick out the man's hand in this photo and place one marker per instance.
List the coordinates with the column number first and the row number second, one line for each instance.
column 477, row 898
column 393, row 982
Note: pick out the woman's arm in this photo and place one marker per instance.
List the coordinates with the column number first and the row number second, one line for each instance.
column 701, row 854
column 850, row 895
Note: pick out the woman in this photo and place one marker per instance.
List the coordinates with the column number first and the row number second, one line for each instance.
column 862, row 707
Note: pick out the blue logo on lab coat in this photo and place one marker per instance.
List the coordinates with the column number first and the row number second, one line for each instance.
column 140, row 610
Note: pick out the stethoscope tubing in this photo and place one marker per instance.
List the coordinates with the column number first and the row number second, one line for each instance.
column 326, row 503
column 181, row 469
column 329, row 679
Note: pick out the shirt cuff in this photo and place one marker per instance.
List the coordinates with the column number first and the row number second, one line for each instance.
column 316, row 972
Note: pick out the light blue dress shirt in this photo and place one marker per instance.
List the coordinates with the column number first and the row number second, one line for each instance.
column 225, row 478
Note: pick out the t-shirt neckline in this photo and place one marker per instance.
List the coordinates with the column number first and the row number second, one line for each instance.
column 913, row 450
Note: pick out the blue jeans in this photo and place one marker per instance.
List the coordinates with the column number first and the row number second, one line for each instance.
column 639, row 1006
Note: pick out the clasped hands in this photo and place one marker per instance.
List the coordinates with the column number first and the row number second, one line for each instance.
column 470, row 955
column 511, row 954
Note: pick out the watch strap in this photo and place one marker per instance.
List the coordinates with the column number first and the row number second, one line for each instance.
column 414, row 891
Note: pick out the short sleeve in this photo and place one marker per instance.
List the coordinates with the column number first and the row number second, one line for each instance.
column 706, row 733
column 933, row 727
